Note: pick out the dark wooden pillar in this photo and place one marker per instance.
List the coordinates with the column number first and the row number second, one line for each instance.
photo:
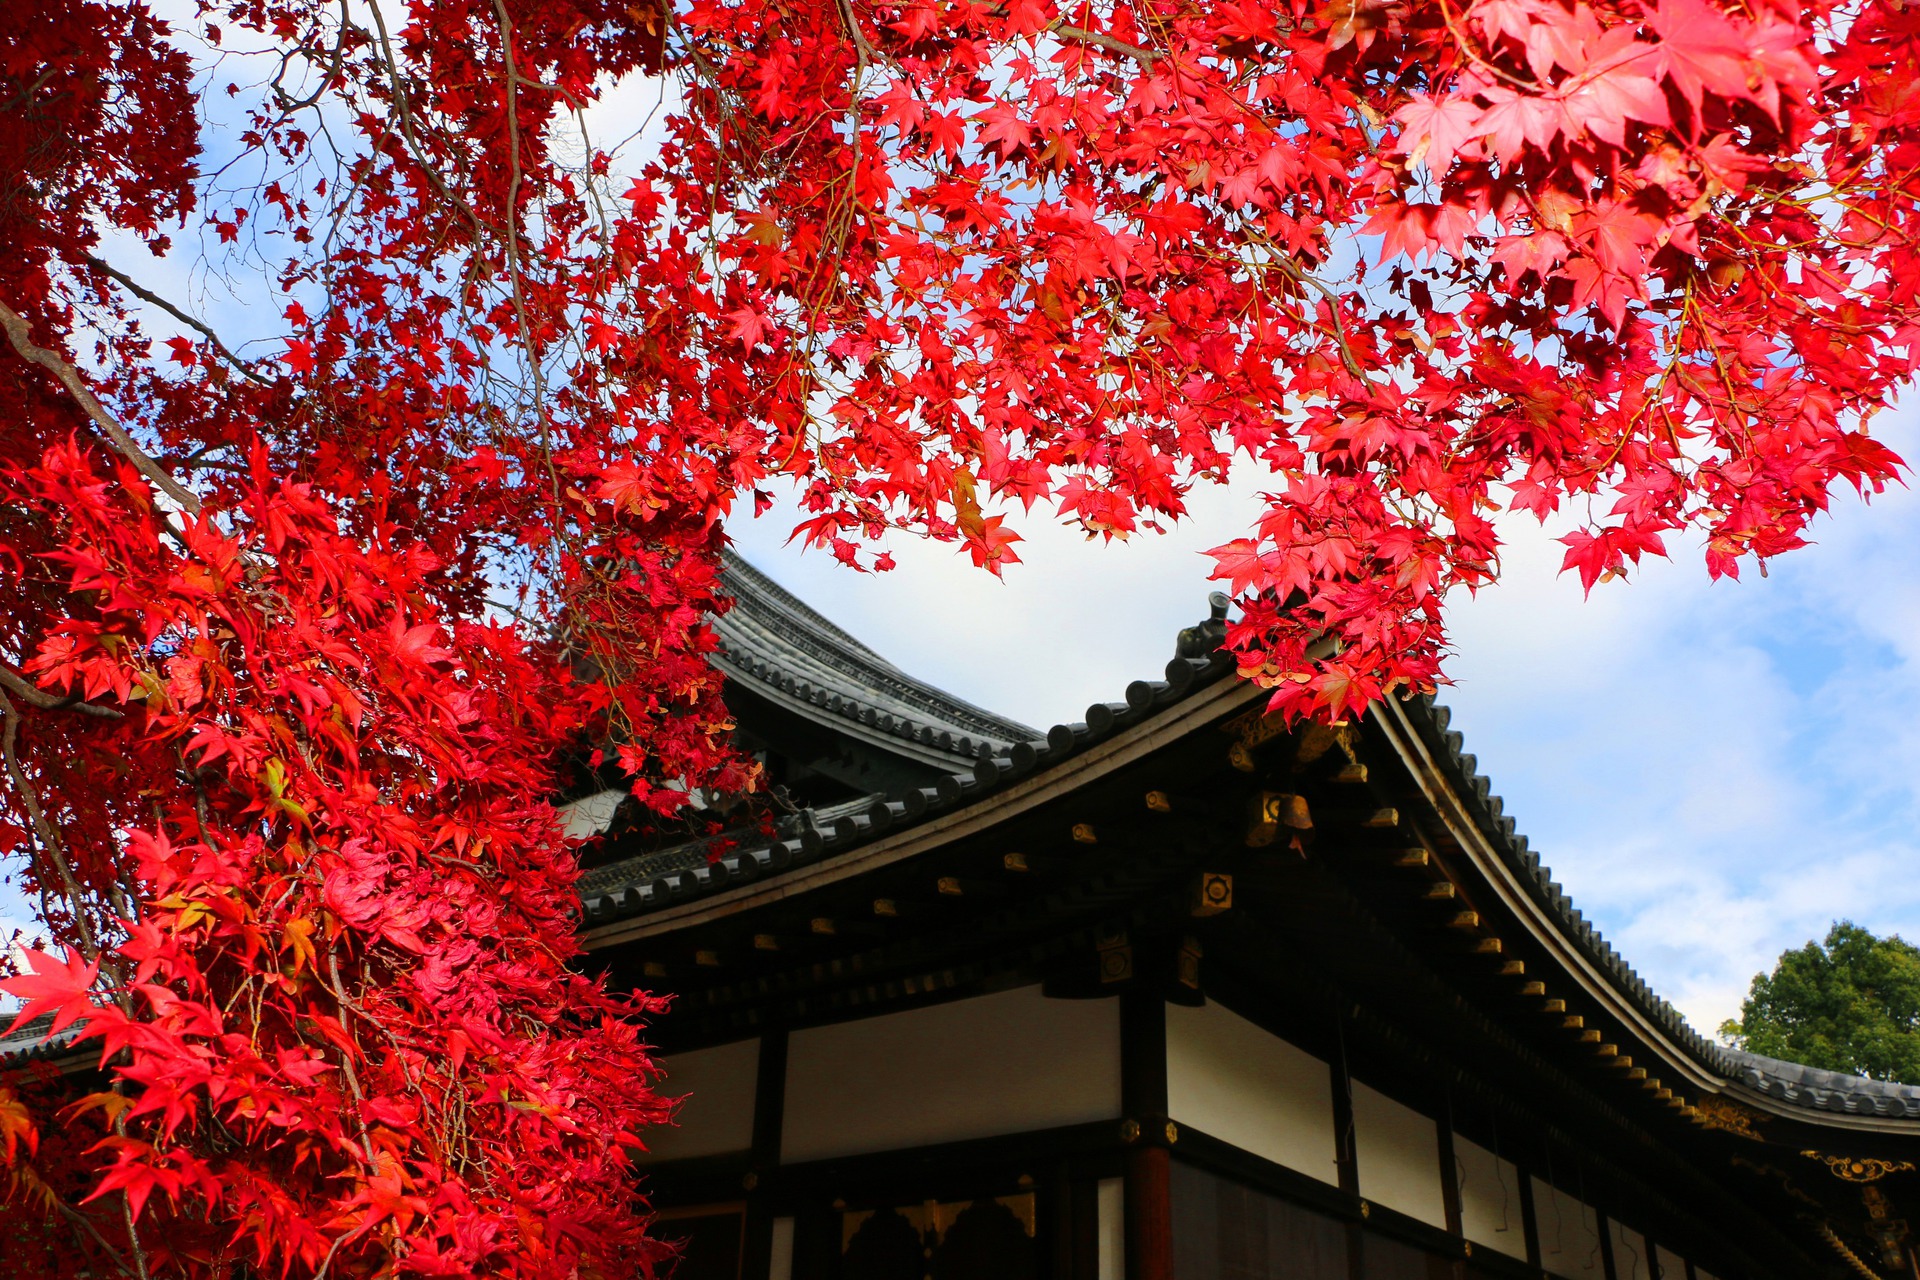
column 1607, row 1262
column 1530, row 1218
column 1149, row 1213
column 1346, row 1165
column 1450, row 1180
column 1076, row 1253
column 1450, row 1188
column 1143, row 1098
column 769, row 1115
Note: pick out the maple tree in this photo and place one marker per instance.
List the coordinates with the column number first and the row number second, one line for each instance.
column 301, row 636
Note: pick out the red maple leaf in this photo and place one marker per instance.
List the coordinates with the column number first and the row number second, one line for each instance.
column 62, row 988
column 1436, row 129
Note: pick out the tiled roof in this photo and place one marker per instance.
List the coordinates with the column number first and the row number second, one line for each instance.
column 696, row 855
column 775, row 645
column 637, row 885
column 1490, row 810
column 30, row 1040
column 1824, row 1090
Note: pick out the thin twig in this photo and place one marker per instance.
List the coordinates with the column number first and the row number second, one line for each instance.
column 1289, row 268
column 126, row 1210
column 513, row 252
column 346, row 1059
column 79, row 1219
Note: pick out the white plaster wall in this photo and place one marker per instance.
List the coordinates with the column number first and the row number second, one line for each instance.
column 1569, row 1234
column 1397, row 1153
column 1630, row 1260
column 1004, row 1063
column 1490, row 1212
column 780, row 1263
column 1232, row 1081
column 1671, row 1267
column 1110, row 1203
column 715, row 1087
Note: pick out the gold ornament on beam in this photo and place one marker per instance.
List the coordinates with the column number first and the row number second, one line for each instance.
column 1115, row 956
column 1859, row 1168
column 1273, row 810
column 1187, row 963
column 1212, row 894
column 1728, row 1117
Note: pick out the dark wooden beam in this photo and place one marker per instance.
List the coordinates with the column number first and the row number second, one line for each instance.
column 1529, row 1215
column 1143, row 1100
column 1607, row 1263
column 1449, row 1176
column 769, row 1118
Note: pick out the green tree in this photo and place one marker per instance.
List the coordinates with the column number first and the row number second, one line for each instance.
column 1851, row 1005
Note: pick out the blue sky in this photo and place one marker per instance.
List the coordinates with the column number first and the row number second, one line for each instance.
column 1715, row 771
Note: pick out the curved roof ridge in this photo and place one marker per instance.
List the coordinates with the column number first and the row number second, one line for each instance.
column 771, row 638
column 34, row 1038
column 698, row 852
column 1791, row 1082
column 1538, row 877
column 746, row 582
column 1824, row 1089
column 638, row 885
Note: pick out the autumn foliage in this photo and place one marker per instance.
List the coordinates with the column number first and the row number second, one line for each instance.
column 302, row 635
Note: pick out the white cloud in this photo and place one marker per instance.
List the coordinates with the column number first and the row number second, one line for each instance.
column 1073, row 624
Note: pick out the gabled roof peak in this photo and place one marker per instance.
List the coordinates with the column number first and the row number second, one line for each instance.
column 778, row 647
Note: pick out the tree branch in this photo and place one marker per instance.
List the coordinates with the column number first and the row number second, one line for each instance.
column 1287, row 266
column 35, row 696
column 1080, row 35
column 528, row 340
column 43, row 829
column 245, row 369
column 20, row 334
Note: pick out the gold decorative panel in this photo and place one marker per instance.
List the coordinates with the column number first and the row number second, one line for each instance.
column 933, row 1219
column 1729, row 1117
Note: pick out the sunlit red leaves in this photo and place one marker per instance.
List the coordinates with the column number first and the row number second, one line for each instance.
column 259, row 653
column 52, row 986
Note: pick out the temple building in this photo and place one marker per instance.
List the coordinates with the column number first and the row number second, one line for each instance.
column 1180, row 993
